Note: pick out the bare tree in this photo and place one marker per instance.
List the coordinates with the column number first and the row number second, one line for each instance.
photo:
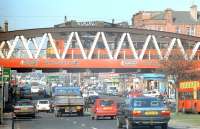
column 180, row 69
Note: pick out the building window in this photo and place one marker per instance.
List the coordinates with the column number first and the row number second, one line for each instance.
column 190, row 30
column 178, row 30
column 160, row 28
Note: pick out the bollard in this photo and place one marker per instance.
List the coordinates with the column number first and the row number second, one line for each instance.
column 13, row 121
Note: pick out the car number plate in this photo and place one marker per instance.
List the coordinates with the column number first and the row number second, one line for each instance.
column 151, row 113
column 107, row 108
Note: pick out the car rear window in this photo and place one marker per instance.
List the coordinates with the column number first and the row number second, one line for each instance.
column 146, row 102
column 23, row 103
column 106, row 103
column 43, row 102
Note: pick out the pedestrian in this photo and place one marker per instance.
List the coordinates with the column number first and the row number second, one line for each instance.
column 86, row 104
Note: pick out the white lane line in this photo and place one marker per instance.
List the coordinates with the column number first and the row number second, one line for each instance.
column 74, row 122
column 83, row 125
column 94, row 128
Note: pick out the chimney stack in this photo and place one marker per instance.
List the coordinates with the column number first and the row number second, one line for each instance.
column 5, row 28
column 168, row 15
column 193, row 12
column 113, row 21
column 65, row 20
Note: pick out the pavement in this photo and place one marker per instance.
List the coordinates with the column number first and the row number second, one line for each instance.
column 181, row 125
column 7, row 121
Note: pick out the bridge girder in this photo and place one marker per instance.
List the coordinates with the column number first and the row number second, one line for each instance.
column 119, row 44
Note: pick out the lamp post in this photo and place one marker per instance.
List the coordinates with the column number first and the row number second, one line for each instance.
column 1, row 95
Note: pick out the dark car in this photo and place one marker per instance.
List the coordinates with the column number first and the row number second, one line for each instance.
column 143, row 111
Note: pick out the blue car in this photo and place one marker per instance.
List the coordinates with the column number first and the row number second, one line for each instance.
column 142, row 111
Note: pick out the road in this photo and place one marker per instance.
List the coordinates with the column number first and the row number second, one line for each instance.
column 49, row 121
column 45, row 120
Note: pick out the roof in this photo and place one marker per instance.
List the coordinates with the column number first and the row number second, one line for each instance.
column 179, row 17
column 74, row 23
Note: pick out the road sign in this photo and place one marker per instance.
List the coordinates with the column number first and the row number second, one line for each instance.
column 6, row 74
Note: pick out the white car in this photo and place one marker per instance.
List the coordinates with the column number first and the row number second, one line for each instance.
column 35, row 89
column 92, row 93
column 43, row 105
column 152, row 93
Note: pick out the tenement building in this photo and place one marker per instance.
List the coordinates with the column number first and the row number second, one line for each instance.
column 185, row 22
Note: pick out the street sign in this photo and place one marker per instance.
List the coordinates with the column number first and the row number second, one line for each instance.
column 6, row 74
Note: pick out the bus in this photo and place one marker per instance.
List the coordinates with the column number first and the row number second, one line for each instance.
column 189, row 96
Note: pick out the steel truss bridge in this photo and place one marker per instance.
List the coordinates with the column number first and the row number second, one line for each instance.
column 93, row 48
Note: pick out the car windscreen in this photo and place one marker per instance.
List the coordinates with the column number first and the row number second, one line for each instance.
column 146, row 102
column 43, row 102
column 106, row 103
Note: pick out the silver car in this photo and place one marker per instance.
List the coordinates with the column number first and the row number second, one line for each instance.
column 24, row 108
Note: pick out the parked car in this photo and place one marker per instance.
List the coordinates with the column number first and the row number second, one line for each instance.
column 43, row 105
column 152, row 93
column 92, row 93
column 143, row 111
column 24, row 108
column 104, row 108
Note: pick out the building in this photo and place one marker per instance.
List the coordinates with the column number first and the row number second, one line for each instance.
column 1, row 29
column 74, row 23
column 185, row 22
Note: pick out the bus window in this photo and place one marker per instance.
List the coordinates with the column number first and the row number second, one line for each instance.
column 198, row 94
column 185, row 95
column 188, row 95
column 181, row 96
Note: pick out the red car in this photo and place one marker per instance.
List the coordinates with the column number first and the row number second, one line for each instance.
column 104, row 108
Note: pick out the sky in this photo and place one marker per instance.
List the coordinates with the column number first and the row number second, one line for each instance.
column 28, row 14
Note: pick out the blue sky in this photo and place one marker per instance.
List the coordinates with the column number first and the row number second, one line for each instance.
column 27, row 14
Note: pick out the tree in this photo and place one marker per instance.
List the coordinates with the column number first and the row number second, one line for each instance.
column 179, row 69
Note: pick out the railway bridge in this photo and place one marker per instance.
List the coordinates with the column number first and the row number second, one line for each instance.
column 94, row 48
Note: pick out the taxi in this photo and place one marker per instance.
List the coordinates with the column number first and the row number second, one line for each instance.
column 24, row 108
column 143, row 111
column 104, row 108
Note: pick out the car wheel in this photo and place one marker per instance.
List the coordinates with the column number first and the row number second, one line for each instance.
column 165, row 126
column 128, row 124
column 33, row 116
column 96, row 117
column 119, row 124
column 80, row 113
column 112, row 117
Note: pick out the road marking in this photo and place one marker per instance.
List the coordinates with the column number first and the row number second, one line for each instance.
column 83, row 125
column 67, row 119
column 74, row 122
column 94, row 128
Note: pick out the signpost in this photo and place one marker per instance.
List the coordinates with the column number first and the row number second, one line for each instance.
column 5, row 76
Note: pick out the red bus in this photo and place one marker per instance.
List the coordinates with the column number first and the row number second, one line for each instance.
column 189, row 96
